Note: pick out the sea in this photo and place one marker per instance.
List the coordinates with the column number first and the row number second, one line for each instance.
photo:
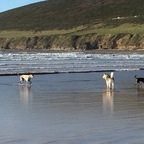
column 24, row 62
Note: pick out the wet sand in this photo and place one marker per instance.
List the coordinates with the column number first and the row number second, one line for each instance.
column 73, row 108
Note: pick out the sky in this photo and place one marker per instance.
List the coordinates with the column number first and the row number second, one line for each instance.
column 11, row 4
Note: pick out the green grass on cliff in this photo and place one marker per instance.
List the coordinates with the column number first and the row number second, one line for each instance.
column 99, row 29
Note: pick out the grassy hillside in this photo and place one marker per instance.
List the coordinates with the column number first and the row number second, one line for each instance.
column 76, row 16
column 74, row 25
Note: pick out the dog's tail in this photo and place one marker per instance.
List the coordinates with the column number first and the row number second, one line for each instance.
column 112, row 74
column 136, row 76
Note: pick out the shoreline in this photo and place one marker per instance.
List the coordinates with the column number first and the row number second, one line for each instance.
column 54, row 72
column 97, row 51
column 65, row 72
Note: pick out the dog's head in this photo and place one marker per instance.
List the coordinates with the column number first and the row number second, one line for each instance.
column 105, row 76
column 30, row 76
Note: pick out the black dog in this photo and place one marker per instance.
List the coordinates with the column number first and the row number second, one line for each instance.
column 138, row 80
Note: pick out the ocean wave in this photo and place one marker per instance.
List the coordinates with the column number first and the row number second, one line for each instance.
column 68, row 62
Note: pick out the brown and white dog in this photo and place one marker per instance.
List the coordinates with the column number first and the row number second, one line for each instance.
column 109, row 80
column 26, row 78
column 138, row 80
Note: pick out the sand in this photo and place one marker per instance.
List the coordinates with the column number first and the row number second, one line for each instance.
column 72, row 108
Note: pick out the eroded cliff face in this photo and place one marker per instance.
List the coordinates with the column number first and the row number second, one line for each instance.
column 85, row 42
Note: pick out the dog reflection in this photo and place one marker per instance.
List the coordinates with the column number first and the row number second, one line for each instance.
column 108, row 103
column 25, row 94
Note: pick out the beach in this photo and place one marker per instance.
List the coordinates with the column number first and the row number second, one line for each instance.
column 72, row 108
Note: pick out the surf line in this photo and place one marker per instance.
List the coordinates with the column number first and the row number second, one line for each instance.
column 54, row 72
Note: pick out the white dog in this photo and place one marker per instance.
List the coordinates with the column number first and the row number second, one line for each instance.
column 109, row 80
column 26, row 78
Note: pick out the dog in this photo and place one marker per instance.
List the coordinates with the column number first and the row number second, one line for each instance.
column 109, row 80
column 138, row 80
column 26, row 78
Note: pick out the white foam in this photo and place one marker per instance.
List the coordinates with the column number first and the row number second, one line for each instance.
column 76, row 61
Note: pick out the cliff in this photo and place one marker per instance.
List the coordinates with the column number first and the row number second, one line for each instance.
column 68, row 42
column 74, row 25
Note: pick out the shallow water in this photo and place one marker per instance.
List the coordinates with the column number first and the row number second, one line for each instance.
column 72, row 109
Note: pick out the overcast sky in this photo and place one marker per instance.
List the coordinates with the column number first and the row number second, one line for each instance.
column 11, row 4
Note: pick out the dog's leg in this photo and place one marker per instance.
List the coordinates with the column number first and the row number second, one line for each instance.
column 21, row 80
column 29, row 81
column 26, row 80
column 112, row 85
column 107, row 84
column 137, row 83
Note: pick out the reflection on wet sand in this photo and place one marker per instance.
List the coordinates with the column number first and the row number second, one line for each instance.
column 108, row 105
column 25, row 94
